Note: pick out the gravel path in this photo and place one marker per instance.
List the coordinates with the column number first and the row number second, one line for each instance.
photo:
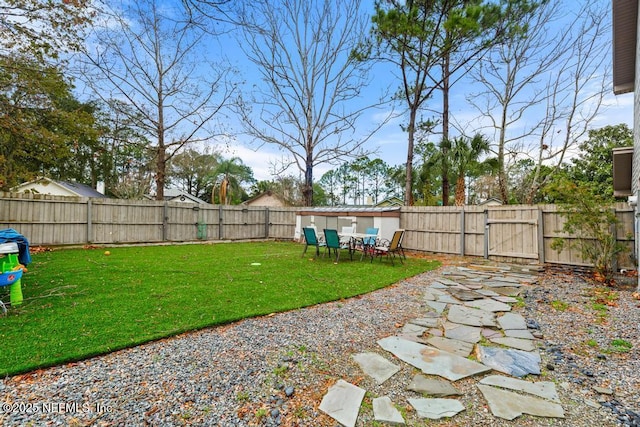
column 274, row 370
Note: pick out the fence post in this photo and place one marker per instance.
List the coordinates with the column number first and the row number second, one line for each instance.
column 486, row 234
column 89, row 223
column 462, row 229
column 220, row 233
column 541, row 254
column 165, row 219
column 266, row 223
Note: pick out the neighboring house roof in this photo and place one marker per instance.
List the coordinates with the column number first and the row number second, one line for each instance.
column 390, row 201
column 267, row 198
column 172, row 195
column 493, row 201
column 57, row 188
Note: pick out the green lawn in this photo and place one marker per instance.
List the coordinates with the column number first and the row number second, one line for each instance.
column 80, row 302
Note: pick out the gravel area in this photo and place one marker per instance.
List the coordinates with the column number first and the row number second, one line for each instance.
column 274, row 370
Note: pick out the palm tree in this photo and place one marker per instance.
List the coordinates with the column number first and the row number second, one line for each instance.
column 464, row 161
column 230, row 175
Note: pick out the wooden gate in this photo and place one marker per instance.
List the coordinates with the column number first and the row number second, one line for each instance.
column 513, row 233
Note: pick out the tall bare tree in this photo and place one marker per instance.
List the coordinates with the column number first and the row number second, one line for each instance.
column 152, row 57
column 308, row 102
column 554, row 74
column 422, row 37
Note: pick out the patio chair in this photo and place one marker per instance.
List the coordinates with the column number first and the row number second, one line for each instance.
column 391, row 248
column 332, row 240
column 310, row 239
column 346, row 230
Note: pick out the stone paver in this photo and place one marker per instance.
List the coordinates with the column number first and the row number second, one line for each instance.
column 469, row 303
column 509, row 405
column 433, row 387
column 456, row 331
column 436, row 408
column 517, row 343
column 512, row 321
column 543, row 389
column 449, row 345
column 385, row 412
column 509, row 361
column 376, row 366
column 471, row 316
column 342, row 402
column 431, row 360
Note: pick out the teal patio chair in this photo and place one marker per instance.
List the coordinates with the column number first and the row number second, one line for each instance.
column 310, row 239
column 332, row 240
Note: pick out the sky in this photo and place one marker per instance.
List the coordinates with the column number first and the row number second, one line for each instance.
column 390, row 142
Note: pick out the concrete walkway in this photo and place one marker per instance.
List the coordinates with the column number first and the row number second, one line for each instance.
column 469, row 313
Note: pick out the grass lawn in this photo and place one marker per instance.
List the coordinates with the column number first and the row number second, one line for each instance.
column 80, row 302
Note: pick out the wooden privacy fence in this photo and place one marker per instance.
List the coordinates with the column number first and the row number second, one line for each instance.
column 55, row 220
column 511, row 233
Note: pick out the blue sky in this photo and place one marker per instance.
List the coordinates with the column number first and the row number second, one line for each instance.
column 390, row 143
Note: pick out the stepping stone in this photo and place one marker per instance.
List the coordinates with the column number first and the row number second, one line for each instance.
column 488, row 293
column 437, row 408
column 437, row 306
column 376, row 366
column 491, row 333
column 447, row 282
column 431, row 360
column 517, row 363
column 465, row 294
column 519, row 333
column 433, row 387
column 342, row 402
column 456, row 331
column 507, row 290
column 385, row 412
column 519, row 343
column 471, row 316
column 512, row 321
column 432, row 294
column 509, row 405
column 438, row 285
column 508, row 279
column 426, row 322
column 448, row 299
column 473, row 286
column 506, row 300
column 489, row 305
column 411, row 329
column 543, row 389
column 449, row 345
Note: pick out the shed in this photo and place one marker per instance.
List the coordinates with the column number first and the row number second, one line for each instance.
column 385, row 219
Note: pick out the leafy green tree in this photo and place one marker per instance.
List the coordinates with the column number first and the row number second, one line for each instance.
column 41, row 123
column 593, row 166
column 329, row 182
column 191, row 171
column 44, row 29
column 465, row 162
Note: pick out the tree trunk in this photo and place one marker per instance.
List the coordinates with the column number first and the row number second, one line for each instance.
column 445, row 129
column 460, row 191
column 308, row 181
column 408, row 186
